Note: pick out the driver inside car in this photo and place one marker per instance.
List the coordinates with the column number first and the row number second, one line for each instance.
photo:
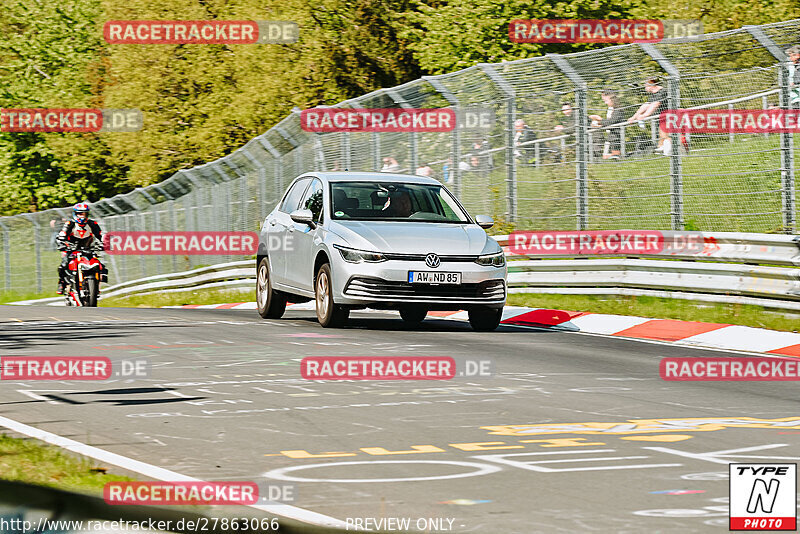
column 400, row 205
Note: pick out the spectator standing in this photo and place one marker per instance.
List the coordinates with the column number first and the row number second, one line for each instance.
column 794, row 73
column 390, row 165
column 424, row 170
column 614, row 115
column 656, row 103
column 524, row 134
column 447, row 175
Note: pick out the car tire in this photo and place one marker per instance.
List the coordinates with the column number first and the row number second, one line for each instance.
column 329, row 314
column 413, row 316
column 270, row 303
column 485, row 320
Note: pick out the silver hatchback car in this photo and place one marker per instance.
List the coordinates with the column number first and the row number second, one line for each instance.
column 351, row 240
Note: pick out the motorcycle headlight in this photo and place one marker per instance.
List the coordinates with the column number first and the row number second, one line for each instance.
column 357, row 256
column 495, row 260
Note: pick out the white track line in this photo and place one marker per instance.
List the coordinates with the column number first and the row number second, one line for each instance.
column 155, row 472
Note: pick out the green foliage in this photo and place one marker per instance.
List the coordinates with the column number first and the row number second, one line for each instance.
column 455, row 34
column 51, row 55
column 201, row 102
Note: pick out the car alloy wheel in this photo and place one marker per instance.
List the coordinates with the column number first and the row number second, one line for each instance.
column 270, row 303
column 329, row 314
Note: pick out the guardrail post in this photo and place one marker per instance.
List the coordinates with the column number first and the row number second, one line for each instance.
column 787, row 139
column 675, row 160
column 452, row 168
column 413, row 149
column 6, row 256
column 583, row 149
column 511, row 117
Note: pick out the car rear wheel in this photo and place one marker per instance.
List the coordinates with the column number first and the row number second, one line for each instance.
column 485, row 320
column 329, row 314
column 413, row 315
column 270, row 303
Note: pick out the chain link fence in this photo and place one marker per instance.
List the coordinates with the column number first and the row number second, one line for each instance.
column 545, row 164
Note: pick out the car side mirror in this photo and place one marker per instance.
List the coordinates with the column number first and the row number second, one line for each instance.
column 484, row 221
column 303, row 217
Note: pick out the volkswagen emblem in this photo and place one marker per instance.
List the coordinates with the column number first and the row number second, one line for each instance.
column 432, row 260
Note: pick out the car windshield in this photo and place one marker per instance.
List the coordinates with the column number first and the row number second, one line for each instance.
column 392, row 201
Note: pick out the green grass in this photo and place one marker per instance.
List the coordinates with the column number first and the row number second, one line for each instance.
column 664, row 308
column 179, row 298
column 33, row 463
column 727, row 187
column 14, row 296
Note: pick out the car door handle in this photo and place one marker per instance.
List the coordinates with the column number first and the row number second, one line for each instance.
column 272, row 223
column 290, row 228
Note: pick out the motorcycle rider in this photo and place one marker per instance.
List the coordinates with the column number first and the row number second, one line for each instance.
column 80, row 232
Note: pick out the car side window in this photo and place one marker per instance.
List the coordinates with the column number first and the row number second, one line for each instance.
column 312, row 200
column 292, row 198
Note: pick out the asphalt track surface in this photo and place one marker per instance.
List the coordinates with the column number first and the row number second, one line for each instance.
column 225, row 401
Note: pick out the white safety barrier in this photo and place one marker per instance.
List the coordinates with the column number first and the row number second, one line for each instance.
column 750, row 267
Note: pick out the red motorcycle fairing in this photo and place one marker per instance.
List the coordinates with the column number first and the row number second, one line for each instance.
column 74, row 262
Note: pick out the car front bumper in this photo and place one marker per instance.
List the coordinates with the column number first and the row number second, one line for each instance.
column 385, row 285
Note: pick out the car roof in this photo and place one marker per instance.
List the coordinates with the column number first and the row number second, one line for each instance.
column 349, row 176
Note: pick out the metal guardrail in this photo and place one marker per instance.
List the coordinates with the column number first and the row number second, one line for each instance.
column 732, row 264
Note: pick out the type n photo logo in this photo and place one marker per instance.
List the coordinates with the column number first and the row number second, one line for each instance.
column 763, row 497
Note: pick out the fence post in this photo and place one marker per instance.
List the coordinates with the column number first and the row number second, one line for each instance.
column 582, row 146
column 456, row 148
column 413, row 147
column 37, row 251
column 787, row 139
column 173, row 220
column 511, row 117
column 6, row 256
column 676, row 159
column 242, row 176
column 262, row 177
column 277, row 156
column 295, row 145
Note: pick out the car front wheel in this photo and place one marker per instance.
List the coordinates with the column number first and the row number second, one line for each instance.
column 270, row 303
column 485, row 320
column 329, row 314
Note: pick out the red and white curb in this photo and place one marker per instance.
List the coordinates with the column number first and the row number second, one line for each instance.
column 690, row 333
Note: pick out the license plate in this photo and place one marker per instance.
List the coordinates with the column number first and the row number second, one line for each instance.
column 433, row 277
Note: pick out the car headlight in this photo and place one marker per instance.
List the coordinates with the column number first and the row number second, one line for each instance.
column 497, row 259
column 357, row 256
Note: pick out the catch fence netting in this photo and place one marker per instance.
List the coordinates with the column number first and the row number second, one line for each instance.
column 545, row 163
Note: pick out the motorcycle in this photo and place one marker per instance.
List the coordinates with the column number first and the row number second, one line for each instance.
column 82, row 278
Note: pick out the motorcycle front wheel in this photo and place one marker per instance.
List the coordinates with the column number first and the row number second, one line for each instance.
column 92, row 289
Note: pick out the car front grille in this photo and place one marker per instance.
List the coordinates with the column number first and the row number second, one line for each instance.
column 421, row 257
column 488, row 291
